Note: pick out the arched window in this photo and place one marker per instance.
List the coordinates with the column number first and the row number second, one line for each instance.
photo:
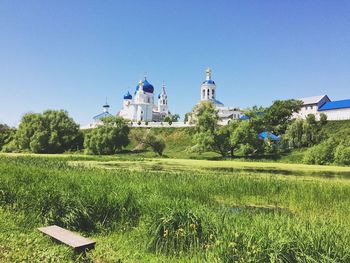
column 213, row 93
column 208, row 92
column 203, row 94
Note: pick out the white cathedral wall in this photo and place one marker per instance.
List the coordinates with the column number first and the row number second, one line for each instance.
column 146, row 114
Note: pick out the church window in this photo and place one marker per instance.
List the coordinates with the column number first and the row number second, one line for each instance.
column 208, row 92
column 213, row 93
column 203, row 94
column 148, row 100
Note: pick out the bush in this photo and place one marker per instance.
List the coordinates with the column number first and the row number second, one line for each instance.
column 168, row 119
column 321, row 154
column 156, row 143
column 323, row 119
column 342, row 155
column 6, row 135
column 49, row 132
column 108, row 138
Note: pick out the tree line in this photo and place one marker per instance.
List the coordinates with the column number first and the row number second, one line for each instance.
column 56, row 132
column 53, row 131
column 241, row 137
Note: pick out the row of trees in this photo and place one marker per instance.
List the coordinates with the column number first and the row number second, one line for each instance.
column 56, row 132
column 241, row 137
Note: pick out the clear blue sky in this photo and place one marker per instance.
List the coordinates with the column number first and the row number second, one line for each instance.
column 73, row 54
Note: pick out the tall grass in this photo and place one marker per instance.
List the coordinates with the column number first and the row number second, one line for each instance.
column 193, row 215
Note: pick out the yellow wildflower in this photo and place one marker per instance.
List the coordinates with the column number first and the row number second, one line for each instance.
column 166, row 233
column 181, row 231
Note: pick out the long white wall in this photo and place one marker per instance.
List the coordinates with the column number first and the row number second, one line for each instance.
column 337, row 114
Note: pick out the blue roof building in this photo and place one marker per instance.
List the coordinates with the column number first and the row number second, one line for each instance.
column 334, row 110
column 332, row 105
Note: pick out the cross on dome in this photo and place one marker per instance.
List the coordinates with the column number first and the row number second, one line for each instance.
column 208, row 73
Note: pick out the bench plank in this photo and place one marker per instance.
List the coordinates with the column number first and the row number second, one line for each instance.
column 67, row 237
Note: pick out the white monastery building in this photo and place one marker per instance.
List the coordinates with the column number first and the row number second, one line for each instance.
column 335, row 110
column 143, row 110
column 142, row 107
column 208, row 93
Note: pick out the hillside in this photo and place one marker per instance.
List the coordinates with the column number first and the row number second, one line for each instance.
column 179, row 141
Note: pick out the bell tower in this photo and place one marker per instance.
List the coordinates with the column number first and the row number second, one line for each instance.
column 163, row 100
column 208, row 87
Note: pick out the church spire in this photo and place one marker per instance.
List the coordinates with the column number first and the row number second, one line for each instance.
column 163, row 88
column 106, row 106
column 141, row 84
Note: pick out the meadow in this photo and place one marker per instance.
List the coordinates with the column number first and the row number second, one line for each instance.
column 142, row 209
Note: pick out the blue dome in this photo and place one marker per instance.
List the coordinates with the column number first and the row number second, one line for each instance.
column 209, row 82
column 127, row 96
column 147, row 87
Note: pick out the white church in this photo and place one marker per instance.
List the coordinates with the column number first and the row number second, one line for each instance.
column 208, row 93
column 143, row 107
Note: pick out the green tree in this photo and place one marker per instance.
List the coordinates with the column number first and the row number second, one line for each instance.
column 6, row 135
column 175, row 117
column 294, row 134
column 322, row 153
column 187, row 117
column 150, row 140
column 221, row 143
column 323, row 118
column 168, row 119
column 108, row 138
column 208, row 136
column 279, row 114
column 157, row 144
column 245, row 138
column 254, row 112
column 342, row 155
column 304, row 133
column 49, row 132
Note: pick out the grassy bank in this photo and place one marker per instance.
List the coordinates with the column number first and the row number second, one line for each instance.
column 172, row 210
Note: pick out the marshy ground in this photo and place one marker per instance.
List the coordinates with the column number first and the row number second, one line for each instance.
column 174, row 210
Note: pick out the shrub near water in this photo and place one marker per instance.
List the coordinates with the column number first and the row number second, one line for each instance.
column 321, row 154
column 342, row 155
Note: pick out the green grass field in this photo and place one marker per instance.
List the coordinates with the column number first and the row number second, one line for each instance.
column 174, row 210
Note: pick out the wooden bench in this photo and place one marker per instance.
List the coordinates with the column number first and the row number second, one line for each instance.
column 69, row 238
